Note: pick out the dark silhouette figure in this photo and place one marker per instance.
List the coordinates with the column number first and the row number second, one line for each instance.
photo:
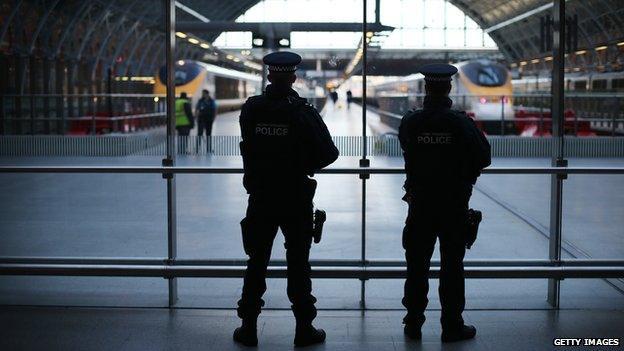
column 444, row 154
column 334, row 96
column 184, row 121
column 205, row 109
column 284, row 141
column 349, row 98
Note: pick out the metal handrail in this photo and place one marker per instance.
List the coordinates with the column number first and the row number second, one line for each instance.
column 121, row 95
column 172, row 271
column 337, row 170
column 313, row 262
column 96, row 118
column 520, row 119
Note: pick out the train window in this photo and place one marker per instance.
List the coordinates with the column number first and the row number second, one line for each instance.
column 226, row 88
column 489, row 74
column 580, row 85
column 618, row 85
column 599, row 85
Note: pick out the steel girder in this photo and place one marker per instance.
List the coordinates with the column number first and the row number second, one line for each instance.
column 109, row 33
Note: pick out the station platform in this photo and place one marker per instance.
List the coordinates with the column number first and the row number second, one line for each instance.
column 341, row 120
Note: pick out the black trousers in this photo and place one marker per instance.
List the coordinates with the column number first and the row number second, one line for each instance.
column 183, row 136
column 427, row 221
column 293, row 215
column 204, row 123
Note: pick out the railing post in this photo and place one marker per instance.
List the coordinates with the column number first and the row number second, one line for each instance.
column 502, row 115
column 169, row 161
column 364, row 162
column 556, row 185
column 541, row 121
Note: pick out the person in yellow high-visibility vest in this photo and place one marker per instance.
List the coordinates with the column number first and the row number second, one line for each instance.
column 184, row 121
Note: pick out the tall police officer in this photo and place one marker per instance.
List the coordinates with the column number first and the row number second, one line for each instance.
column 444, row 154
column 284, row 141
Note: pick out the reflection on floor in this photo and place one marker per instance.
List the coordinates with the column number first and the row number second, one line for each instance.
column 159, row 329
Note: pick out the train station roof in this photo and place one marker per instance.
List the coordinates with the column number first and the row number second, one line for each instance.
column 110, row 31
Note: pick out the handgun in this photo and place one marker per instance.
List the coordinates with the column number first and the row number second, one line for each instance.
column 319, row 219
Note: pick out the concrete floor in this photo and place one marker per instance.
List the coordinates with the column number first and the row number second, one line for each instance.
column 24, row 328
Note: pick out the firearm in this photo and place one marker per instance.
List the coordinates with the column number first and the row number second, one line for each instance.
column 317, row 230
column 474, row 218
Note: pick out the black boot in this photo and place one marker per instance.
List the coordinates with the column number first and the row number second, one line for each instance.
column 463, row 333
column 246, row 334
column 412, row 331
column 306, row 335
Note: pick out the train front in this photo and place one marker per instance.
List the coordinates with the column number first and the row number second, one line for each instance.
column 485, row 92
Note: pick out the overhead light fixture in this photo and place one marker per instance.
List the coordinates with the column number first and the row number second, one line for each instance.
column 204, row 45
column 193, row 40
column 620, row 43
column 535, row 61
column 181, row 35
column 581, row 52
column 600, row 48
column 514, row 65
column 258, row 41
column 548, row 58
column 523, row 63
column 253, row 65
column 284, row 42
column 181, row 62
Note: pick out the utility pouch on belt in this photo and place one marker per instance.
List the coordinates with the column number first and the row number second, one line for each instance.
column 317, row 230
column 473, row 220
column 245, row 228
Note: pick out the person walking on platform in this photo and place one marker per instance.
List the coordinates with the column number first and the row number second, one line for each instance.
column 184, row 121
column 284, row 141
column 444, row 154
column 349, row 99
column 205, row 110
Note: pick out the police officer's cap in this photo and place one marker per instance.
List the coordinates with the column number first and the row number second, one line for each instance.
column 282, row 61
column 438, row 72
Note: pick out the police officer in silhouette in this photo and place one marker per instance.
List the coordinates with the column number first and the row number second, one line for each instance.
column 284, row 141
column 444, row 154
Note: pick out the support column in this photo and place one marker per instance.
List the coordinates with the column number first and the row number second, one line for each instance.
column 20, row 66
column 169, row 161
column 47, row 78
column 364, row 162
column 59, row 82
column 33, row 78
column 70, row 75
column 556, row 184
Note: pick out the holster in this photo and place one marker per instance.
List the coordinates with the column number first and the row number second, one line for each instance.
column 473, row 218
column 246, row 234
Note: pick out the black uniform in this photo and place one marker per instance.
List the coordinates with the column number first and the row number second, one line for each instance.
column 284, row 141
column 444, row 154
column 206, row 111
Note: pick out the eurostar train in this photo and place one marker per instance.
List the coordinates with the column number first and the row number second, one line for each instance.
column 574, row 82
column 228, row 87
column 481, row 87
